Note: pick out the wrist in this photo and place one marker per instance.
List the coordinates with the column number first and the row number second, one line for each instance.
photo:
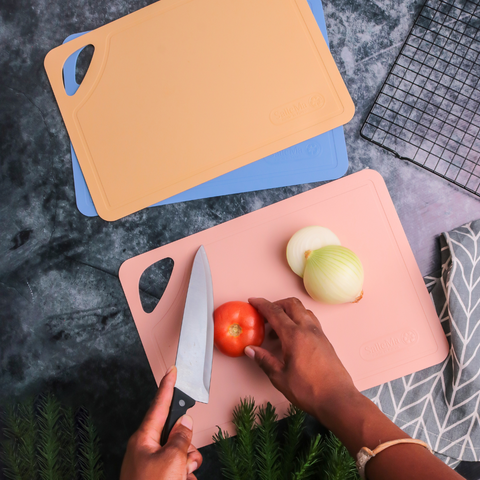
column 357, row 421
column 333, row 410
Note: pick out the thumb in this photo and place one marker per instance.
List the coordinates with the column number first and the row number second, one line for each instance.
column 265, row 360
column 180, row 437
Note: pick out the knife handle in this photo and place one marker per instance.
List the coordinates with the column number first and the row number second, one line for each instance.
column 181, row 402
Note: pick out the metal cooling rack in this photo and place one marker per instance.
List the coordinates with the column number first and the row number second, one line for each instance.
column 428, row 110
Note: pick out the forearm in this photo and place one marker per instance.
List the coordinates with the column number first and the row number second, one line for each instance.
column 358, row 423
column 307, row 357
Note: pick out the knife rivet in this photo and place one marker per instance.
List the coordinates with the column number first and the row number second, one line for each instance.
column 181, row 403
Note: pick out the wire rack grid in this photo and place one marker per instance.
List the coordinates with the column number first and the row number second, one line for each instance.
column 428, row 110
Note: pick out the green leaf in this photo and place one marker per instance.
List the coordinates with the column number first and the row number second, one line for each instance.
column 12, row 429
column 309, row 461
column 227, row 455
column 69, row 447
column 12, row 464
column 12, row 433
column 324, row 458
column 40, row 442
column 292, row 439
column 19, row 446
column 28, row 443
column 91, row 467
column 268, row 448
column 244, row 421
column 339, row 465
column 49, row 410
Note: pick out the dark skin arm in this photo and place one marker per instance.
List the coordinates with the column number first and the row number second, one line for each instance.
column 312, row 377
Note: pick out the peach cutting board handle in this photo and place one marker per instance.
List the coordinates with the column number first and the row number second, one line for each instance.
column 57, row 57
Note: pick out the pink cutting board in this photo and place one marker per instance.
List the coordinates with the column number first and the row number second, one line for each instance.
column 391, row 332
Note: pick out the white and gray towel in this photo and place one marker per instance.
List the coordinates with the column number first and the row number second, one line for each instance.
column 440, row 404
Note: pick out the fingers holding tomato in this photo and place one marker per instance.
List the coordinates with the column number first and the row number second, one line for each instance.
column 237, row 325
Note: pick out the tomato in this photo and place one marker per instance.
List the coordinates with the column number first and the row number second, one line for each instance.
column 236, row 325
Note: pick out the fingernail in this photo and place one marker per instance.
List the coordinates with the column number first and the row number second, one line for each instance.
column 187, row 421
column 169, row 370
column 192, row 467
column 249, row 352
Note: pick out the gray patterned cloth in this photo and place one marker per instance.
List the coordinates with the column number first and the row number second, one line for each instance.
column 440, row 405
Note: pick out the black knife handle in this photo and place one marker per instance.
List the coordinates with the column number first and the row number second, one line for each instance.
column 181, row 402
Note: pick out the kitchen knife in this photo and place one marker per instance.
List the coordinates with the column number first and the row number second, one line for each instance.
column 195, row 345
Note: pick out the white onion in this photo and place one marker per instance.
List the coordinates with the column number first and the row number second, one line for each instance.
column 333, row 274
column 308, row 239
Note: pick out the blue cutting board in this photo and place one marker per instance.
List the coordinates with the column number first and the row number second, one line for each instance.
column 321, row 158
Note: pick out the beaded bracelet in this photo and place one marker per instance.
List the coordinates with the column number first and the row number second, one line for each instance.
column 365, row 454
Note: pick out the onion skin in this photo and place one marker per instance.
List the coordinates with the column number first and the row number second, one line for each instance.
column 307, row 239
column 333, row 275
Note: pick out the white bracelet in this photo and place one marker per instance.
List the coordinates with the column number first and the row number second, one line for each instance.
column 365, row 454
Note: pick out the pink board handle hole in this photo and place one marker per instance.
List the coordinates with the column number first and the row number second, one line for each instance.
column 153, row 282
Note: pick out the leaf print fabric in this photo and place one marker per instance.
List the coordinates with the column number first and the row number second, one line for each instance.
column 440, row 404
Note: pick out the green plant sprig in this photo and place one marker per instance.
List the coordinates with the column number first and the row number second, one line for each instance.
column 227, row 454
column 49, row 411
column 258, row 452
column 338, row 464
column 43, row 440
column 268, row 452
column 292, row 437
column 89, row 449
column 244, row 421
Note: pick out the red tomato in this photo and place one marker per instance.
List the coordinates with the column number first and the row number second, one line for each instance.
column 236, row 325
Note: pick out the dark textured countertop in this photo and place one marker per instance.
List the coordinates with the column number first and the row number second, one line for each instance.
column 64, row 322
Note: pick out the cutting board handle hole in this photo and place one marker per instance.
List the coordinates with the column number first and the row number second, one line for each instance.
column 153, row 282
column 75, row 68
column 83, row 62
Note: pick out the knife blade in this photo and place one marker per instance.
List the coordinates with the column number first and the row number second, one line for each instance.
column 195, row 344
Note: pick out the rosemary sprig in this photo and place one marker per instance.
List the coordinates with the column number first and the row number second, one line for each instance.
column 49, row 438
column 89, row 449
column 293, row 436
column 244, row 421
column 268, row 449
column 43, row 441
column 13, row 467
column 309, row 461
column 227, row 455
column 298, row 459
column 27, row 445
column 339, row 465
column 13, row 432
column 69, row 446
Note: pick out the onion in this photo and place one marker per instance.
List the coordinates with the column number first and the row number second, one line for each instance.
column 308, row 238
column 333, row 274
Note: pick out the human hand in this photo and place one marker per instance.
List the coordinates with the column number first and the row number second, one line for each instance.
column 312, row 377
column 310, row 374
column 145, row 459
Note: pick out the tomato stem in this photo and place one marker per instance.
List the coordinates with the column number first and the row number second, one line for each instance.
column 234, row 330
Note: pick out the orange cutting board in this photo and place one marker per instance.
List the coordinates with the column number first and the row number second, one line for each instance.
column 391, row 332
column 183, row 91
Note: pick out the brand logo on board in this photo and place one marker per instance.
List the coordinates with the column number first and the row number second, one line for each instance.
column 295, row 109
column 389, row 344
